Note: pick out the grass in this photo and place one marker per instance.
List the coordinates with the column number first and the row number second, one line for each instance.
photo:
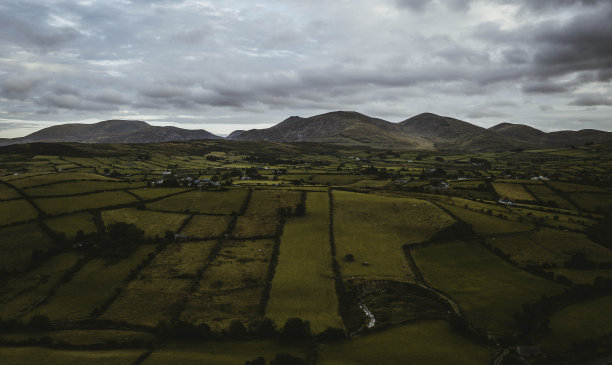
column 151, row 222
column 487, row 288
column 303, row 286
column 21, row 241
column 262, row 216
column 206, row 226
column 512, row 191
column 55, row 206
column 224, row 202
column 44, row 356
column 219, row 353
column 232, row 286
column 14, row 211
column 592, row 202
column 71, row 224
column 579, row 322
column 422, row 342
column 7, row 192
column 19, row 294
column 58, row 177
column 575, row 188
column 91, row 286
column 488, row 224
column 83, row 337
column 374, row 228
column 153, row 295
column 154, row 193
column 79, row 187
column 546, row 194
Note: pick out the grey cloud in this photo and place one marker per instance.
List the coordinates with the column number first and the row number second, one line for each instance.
column 592, row 100
column 19, row 87
column 416, row 5
column 545, row 87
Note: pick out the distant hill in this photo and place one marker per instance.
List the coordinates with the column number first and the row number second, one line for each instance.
column 423, row 131
column 111, row 131
column 341, row 127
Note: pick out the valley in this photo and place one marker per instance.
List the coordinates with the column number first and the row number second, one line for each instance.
column 222, row 251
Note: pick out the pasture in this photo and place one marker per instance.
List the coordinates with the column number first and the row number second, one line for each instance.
column 70, row 204
column 154, row 224
column 374, row 228
column 232, row 286
column 44, row 356
column 420, row 342
column 211, row 202
column 487, row 288
column 303, row 285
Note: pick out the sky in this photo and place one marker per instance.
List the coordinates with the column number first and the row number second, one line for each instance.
column 242, row 64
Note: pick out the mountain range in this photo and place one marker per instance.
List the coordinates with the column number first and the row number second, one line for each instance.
column 424, row 131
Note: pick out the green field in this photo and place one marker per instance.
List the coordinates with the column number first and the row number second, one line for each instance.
column 154, row 224
column 44, row 356
column 206, row 226
column 69, row 204
column 79, row 187
column 153, row 295
column 262, row 215
column 303, row 286
column 232, row 286
column 22, row 241
column 19, row 295
column 579, row 322
column 373, row 229
column 219, row 353
column 24, row 182
column 19, row 210
column 150, row 193
column 72, row 223
column 421, row 342
column 224, row 202
column 512, row 191
column 487, row 288
column 91, row 286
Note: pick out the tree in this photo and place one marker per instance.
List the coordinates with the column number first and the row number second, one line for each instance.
column 264, row 328
column 295, row 330
column 258, row 361
column 237, row 329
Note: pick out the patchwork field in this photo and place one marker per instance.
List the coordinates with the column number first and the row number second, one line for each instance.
column 218, row 258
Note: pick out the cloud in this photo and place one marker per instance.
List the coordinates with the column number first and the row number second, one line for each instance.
column 592, row 100
column 19, row 86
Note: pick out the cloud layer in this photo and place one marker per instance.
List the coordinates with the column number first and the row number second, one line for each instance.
column 240, row 64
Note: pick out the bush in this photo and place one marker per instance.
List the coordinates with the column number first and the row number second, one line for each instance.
column 258, row 361
column 39, row 322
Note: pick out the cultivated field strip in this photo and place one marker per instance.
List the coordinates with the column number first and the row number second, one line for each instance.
column 303, row 285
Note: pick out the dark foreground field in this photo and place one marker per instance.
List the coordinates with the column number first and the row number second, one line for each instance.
column 219, row 252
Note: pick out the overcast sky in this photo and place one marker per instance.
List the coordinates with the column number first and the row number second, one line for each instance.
column 241, row 64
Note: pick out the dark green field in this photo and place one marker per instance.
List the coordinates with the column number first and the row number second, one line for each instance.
column 219, row 252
